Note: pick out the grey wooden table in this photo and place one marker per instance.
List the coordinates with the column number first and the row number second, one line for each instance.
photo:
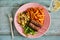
column 10, row 7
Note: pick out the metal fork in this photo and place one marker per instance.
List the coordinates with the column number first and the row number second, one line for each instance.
column 11, row 29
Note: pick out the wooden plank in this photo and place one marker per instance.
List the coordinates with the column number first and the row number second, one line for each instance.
column 23, row 38
column 9, row 3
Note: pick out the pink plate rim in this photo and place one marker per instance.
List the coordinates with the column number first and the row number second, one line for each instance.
column 43, row 30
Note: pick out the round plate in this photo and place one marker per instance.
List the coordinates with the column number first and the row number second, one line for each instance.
column 46, row 20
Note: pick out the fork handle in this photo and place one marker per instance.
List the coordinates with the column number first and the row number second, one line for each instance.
column 12, row 34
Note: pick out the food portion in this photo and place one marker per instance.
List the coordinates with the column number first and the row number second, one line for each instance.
column 22, row 19
column 36, row 14
column 34, row 26
column 56, row 6
column 31, row 20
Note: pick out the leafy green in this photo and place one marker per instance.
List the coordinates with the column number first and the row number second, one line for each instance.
column 28, row 30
